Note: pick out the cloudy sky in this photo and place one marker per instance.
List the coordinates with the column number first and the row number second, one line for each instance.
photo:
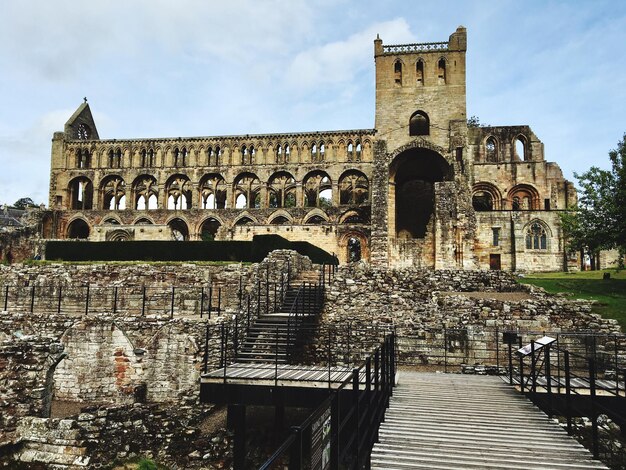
column 165, row 68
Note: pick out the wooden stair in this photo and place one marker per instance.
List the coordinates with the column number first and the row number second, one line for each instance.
column 452, row 421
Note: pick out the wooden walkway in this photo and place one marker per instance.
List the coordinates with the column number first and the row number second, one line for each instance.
column 285, row 375
column 452, row 421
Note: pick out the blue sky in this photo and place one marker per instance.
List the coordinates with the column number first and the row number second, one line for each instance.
column 160, row 68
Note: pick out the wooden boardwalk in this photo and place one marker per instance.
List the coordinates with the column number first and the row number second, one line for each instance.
column 285, row 375
column 452, row 421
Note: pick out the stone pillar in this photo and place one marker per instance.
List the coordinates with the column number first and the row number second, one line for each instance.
column 379, row 189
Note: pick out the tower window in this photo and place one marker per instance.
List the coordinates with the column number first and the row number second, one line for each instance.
column 419, row 72
column 397, row 72
column 441, row 71
column 419, row 124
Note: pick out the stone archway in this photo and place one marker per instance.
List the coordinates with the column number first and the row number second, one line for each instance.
column 413, row 176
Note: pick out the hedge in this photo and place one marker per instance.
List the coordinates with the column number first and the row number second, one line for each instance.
column 254, row 251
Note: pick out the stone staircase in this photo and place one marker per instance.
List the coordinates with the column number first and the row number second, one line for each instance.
column 451, row 421
column 267, row 338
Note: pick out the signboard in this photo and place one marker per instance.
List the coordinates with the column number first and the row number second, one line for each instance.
column 540, row 343
column 320, row 442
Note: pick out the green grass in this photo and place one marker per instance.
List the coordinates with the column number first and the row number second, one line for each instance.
column 609, row 293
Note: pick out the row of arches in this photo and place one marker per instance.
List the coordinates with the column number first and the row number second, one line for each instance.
column 487, row 197
column 213, row 192
column 314, row 151
column 494, row 150
column 207, row 229
column 402, row 72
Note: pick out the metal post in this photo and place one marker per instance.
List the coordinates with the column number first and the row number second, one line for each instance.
column 497, row 343
column 210, row 299
column 594, row 414
column 568, row 392
column 276, row 361
column 219, row 300
column 258, row 297
column 329, row 355
column 59, row 302
column 114, row 300
column 548, row 373
column 206, row 348
column 533, row 362
column 248, row 309
column 376, row 370
column 267, row 289
column 521, row 366
column 222, row 362
column 445, row 349
column 201, row 300
column 6, row 297
column 357, row 415
column 295, row 454
column 239, row 293
column 172, row 304
column 334, row 431
column 32, row 299
column 143, row 301
column 87, row 301
column 510, row 361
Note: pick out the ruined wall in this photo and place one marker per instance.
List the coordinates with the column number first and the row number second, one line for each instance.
column 362, row 303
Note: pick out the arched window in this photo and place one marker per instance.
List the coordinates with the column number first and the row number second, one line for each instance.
column 441, row 71
column 147, row 158
column 353, row 188
column 212, row 192
column 81, row 193
column 536, row 237
column 178, row 192
column 180, row 231
column 245, row 156
column 482, row 201
column 491, row 150
column 317, row 190
column 282, row 190
column 145, row 191
column 397, row 72
column 113, row 193
column 350, row 152
column 115, row 158
column 521, row 152
column 209, row 229
column 180, row 156
column 419, row 72
column 354, row 249
column 419, row 124
column 78, row 228
column 83, row 158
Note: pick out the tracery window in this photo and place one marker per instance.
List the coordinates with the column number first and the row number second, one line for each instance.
column 282, row 190
column 247, row 191
column 213, row 192
column 113, row 193
column 83, row 132
column 178, row 193
column 491, row 150
column 146, row 193
column 353, row 188
column 317, row 190
column 536, row 237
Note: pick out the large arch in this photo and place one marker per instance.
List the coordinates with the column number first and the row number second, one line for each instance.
column 212, row 189
column 145, row 192
column 353, row 188
column 282, row 190
column 78, row 228
column 246, row 191
column 208, row 229
column 413, row 174
column 178, row 191
column 113, row 193
column 80, row 191
column 180, row 229
column 317, row 188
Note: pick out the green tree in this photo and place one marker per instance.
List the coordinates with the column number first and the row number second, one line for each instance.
column 23, row 203
column 599, row 220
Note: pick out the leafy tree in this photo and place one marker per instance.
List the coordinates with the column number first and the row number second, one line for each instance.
column 599, row 220
column 23, row 203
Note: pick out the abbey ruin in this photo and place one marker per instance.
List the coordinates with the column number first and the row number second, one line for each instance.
column 421, row 188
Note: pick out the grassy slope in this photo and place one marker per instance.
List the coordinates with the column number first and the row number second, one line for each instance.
column 610, row 294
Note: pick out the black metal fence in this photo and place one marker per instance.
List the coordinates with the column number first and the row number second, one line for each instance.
column 347, row 421
column 117, row 300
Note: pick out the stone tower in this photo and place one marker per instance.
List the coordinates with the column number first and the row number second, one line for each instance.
column 421, row 201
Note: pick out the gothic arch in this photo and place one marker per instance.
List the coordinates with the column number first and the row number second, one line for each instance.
column 178, row 192
column 316, row 216
column 113, row 193
column 281, row 190
column 145, row 192
column 212, row 191
column 317, row 188
column 353, row 187
column 537, row 235
column 180, row 228
column 246, row 219
column 80, row 191
column 79, row 228
column 280, row 217
column 246, row 191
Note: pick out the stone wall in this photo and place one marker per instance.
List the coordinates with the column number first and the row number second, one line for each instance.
column 362, row 303
column 100, row 436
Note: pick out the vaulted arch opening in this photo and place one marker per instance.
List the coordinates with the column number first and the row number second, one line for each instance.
column 413, row 174
column 78, row 228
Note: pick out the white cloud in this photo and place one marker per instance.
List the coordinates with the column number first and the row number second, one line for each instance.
column 342, row 61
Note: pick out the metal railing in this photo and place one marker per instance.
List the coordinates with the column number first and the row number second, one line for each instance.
column 345, row 426
column 89, row 299
column 549, row 373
